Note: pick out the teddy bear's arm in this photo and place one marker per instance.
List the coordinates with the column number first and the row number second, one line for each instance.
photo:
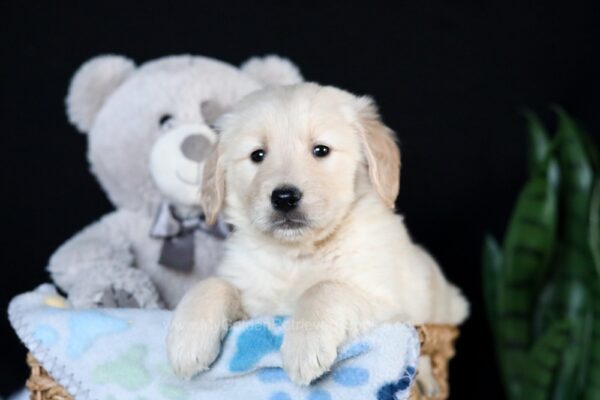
column 96, row 267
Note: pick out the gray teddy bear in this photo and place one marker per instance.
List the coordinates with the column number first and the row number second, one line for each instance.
column 149, row 130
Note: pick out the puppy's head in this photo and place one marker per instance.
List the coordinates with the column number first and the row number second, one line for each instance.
column 291, row 161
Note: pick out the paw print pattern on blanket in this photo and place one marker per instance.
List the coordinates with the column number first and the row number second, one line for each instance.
column 252, row 344
column 172, row 392
column 116, row 358
column 350, row 376
column 388, row 392
column 344, row 376
column 316, row 394
column 355, row 350
column 114, row 398
column 257, row 340
column 269, row 375
column 128, row 371
column 45, row 335
column 280, row 396
column 85, row 327
column 168, row 384
column 319, row 394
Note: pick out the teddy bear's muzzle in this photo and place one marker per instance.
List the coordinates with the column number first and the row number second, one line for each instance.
column 196, row 147
column 177, row 160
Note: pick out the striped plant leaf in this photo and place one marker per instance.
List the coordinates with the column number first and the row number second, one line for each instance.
column 595, row 225
column 568, row 300
column 539, row 142
column 577, row 181
column 528, row 245
column 592, row 150
column 492, row 269
column 568, row 295
column 592, row 381
column 542, row 361
column 542, row 291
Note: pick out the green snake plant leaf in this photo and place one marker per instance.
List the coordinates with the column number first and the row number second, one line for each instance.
column 568, row 300
column 539, row 143
column 492, row 270
column 577, row 180
column 595, row 225
column 592, row 382
column 592, row 389
column 542, row 291
column 543, row 360
column 568, row 295
column 592, row 150
column 528, row 246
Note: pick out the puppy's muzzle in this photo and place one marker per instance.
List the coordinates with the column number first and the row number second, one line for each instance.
column 286, row 198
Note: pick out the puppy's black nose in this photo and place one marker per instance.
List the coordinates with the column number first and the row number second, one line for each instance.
column 285, row 198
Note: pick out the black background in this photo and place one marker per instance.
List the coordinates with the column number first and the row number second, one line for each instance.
column 450, row 78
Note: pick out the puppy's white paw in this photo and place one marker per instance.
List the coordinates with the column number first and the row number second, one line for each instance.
column 426, row 382
column 307, row 355
column 428, row 386
column 192, row 346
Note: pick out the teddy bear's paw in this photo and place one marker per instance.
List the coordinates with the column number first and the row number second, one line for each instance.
column 117, row 298
column 192, row 346
column 114, row 286
column 86, row 295
column 131, row 285
column 307, row 355
column 83, row 301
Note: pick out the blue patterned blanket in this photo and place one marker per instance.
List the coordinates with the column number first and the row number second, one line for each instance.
column 119, row 354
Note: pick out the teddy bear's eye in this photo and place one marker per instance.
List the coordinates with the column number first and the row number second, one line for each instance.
column 164, row 120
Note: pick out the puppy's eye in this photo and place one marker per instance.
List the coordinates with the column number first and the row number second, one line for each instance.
column 258, row 155
column 165, row 120
column 320, row 151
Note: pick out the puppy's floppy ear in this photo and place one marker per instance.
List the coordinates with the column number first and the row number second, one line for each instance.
column 380, row 150
column 212, row 193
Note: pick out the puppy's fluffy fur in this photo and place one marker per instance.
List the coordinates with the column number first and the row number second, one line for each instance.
column 338, row 264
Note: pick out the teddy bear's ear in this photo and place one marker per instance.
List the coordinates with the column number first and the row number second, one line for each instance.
column 92, row 84
column 272, row 70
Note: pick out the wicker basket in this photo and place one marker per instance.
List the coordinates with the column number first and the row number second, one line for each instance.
column 437, row 342
column 41, row 386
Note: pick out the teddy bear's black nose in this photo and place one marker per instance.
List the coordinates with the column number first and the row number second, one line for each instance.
column 285, row 198
column 195, row 147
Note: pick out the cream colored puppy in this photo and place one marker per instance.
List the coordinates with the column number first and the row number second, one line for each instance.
column 308, row 175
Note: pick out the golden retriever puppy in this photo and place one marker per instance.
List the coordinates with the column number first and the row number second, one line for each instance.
column 308, row 176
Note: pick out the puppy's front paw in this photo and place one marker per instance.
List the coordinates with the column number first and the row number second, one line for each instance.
column 307, row 355
column 192, row 346
column 426, row 381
